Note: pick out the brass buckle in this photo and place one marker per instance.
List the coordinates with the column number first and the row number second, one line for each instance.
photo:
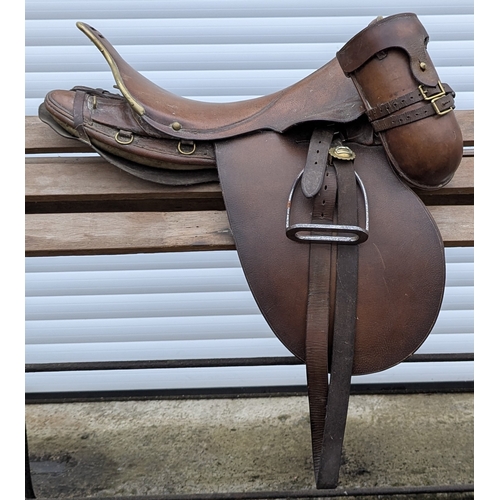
column 437, row 110
column 434, row 98
column 441, row 93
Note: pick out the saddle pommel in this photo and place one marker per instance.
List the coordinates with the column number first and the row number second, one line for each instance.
column 406, row 103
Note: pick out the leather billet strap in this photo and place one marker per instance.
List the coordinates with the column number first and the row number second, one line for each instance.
column 420, row 94
column 332, row 299
column 315, row 168
column 80, row 102
column 434, row 100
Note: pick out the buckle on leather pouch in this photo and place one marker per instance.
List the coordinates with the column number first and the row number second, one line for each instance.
column 427, row 97
column 434, row 98
column 439, row 111
column 350, row 235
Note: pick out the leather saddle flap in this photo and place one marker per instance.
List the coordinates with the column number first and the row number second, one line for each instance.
column 401, row 265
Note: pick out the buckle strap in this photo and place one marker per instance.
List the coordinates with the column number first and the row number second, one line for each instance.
column 438, row 100
column 316, row 162
column 343, row 326
column 438, row 106
column 79, row 114
column 422, row 93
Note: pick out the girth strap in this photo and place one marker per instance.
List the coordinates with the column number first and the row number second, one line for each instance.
column 336, row 202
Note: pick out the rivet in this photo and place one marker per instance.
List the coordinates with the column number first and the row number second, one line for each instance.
column 176, row 126
column 423, row 66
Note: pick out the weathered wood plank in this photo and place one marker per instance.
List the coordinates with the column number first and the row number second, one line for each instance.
column 79, row 184
column 466, row 121
column 92, row 184
column 85, row 178
column 90, row 178
column 126, row 232
column 456, row 224
column 112, row 233
column 40, row 138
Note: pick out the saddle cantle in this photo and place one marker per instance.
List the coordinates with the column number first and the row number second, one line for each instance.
column 343, row 259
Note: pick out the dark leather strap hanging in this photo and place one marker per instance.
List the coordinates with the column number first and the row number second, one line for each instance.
column 331, row 322
column 344, row 329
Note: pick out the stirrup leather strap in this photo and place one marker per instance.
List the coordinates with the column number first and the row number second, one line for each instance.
column 328, row 403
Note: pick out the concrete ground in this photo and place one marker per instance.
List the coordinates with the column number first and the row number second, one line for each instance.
column 237, row 445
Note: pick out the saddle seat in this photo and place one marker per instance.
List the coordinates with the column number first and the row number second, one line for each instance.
column 325, row 95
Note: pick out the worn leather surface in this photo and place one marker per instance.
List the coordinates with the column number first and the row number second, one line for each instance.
column 427, row 152
column 104, row 117
column 324, row 95
column 260, row 147
column 401, row 265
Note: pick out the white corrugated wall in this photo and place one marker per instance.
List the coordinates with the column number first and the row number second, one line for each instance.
column 168, row 306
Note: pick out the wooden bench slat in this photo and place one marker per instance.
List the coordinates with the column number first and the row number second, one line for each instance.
column 136, row 232
column 126, row 232
column 466, row 121
column 80, row 179
column 98, row 209
column 40, row 138
column 455, row 223
column 86, row 178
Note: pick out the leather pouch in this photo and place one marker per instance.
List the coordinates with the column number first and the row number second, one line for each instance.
column 407, row 105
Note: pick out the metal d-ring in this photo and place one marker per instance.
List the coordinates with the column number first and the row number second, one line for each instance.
column 182, row 152
column 357, row 233
column 120, row 134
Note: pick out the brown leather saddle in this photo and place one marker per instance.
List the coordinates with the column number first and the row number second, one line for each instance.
column 343, row 259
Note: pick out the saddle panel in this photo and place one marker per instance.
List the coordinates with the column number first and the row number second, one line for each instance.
column 324, row 95
column 401, row 265
column 112, row 131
